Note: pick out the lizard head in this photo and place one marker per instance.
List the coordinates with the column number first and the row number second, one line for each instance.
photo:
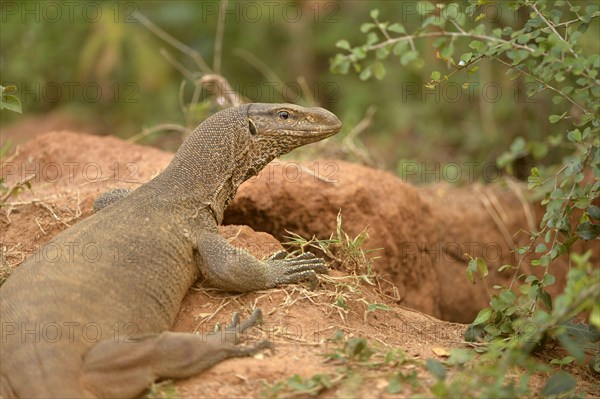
column 276, row 129
column 279, row 128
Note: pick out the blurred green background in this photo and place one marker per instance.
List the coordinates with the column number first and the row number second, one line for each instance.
column 93, row 65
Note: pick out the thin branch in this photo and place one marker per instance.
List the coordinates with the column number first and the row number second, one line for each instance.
column 263, row 68
column 544, row 83
column 383, row 31
column 219, row 38
column 225, row 90
column 349, row 140
column 445, row 34
column 258, row 64
column 195, row 55
column 306, row 93
column 534, row 7
column 15, row 187
column 157, row 128
column 177, row 65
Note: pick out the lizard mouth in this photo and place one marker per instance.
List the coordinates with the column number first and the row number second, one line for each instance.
column 314, row 133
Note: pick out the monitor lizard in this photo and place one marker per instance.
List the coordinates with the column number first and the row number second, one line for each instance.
column 88, row 315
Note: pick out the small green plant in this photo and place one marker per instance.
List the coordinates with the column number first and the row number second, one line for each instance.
column 348, row 253
column 7, row 192
column 8, row 100
column 298, row 386
column 162, row 390
column 359, row 361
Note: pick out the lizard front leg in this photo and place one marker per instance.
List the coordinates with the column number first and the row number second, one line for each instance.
column 234, row 269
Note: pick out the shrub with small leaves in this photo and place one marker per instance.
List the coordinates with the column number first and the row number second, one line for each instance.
column 545, row 51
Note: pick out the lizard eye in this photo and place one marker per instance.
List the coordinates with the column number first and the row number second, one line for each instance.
column 283, row 114
column 252, row 128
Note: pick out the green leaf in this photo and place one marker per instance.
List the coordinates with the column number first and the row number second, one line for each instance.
column 540, row 248
column 340, row 65
column 397, row 28
column 367, row 26
column 466, row 57
column 482, row 267
column 505, row 267
column 378, row 70
column 372, row 39
column 400, row 47
column 359, row 53
column 588, row 231
column 374, row 13
column 594, row 212
column 358, row 348
column 408, row 57
column 435, row 75
column 573, row 135
column 483, row 316
column 446, row 53
column 365, row 74
column 382, row 53
column 460, row 356
column 559, row 382
column 436, row 368
column 477, row 45
column 508, row 297
column 395, row 385
column 595, row 315
column 343, row 44
column 377, row 306
column 554, row 118
column 548, row 279
column 10, row 103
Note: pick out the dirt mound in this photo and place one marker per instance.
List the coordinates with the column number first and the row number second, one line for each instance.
column 423, row 233
column 72, row 169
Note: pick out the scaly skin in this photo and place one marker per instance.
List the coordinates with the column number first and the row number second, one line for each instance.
column 118, row 283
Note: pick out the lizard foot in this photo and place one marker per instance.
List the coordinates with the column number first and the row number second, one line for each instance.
column 295, row 269
column 235, row 328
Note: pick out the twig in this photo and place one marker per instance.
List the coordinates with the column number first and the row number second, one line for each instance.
column 177, row 65
column 225, row 90
column 15, row 187
column 496, row 216
column 263, row 68
column 219, row 38
column 410, row 38
column 360, row 127
column 316, row 175
column 13, row 155
column 157, row 128
column 306, row 93
column 548, row 86
column 195, row 55
column 529, row 212
column 534, row 7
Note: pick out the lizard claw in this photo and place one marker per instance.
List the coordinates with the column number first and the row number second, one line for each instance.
column 299, row 268
column 279, row 255
column 232, row 331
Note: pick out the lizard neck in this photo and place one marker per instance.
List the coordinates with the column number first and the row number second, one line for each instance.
column 203, row 172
